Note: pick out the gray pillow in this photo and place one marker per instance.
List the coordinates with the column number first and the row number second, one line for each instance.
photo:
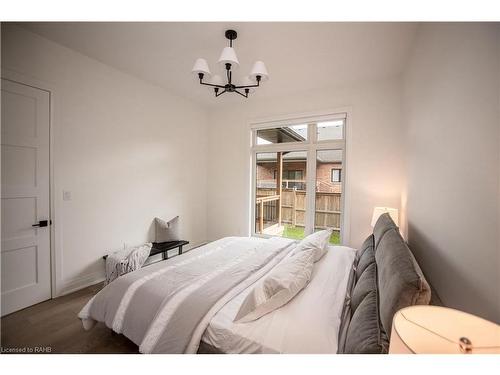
column 365, row 334
column 345, row 319
column 364, row 257
column 167, row 230
column 383, row 224
column 401, row 282
column 369, row 243
column 364, row 285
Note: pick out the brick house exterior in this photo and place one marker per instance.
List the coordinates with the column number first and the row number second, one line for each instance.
column 266, row 174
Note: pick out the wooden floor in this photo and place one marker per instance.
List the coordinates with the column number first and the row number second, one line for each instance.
column 53, row 326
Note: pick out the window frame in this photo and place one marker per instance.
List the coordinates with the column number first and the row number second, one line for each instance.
column 311, row 146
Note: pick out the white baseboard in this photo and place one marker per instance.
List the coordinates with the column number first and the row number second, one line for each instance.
column 77, row 283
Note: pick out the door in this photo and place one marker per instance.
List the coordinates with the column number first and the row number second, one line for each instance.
column 25, row 196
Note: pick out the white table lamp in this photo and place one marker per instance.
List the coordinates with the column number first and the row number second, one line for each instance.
column 441, row 330
column 393, row 212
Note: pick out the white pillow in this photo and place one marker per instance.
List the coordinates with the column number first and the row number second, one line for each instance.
column 167, row 230
column 278, row 287
column 318, row 241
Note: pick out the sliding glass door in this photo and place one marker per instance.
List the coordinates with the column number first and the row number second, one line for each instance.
column 298, row 177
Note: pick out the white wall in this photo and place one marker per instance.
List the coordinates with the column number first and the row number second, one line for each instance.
column 375, row 169
column 452, row 89
column 128, row 151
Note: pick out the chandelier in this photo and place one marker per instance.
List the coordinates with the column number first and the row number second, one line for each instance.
column 229, row 61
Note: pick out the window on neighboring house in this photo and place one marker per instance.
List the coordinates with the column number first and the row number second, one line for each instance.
column 291, row 174
column 292, row 195
column 336, row 175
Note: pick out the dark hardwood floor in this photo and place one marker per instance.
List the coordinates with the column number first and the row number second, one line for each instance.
column 54, row 326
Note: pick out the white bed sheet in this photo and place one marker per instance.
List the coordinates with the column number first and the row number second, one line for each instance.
column 307, row 324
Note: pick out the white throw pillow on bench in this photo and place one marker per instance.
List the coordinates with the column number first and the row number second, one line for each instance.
column 167, row 230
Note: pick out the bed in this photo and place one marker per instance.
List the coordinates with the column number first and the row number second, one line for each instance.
column 187, row 304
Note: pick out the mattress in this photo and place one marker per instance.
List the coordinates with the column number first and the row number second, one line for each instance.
column 307, row 324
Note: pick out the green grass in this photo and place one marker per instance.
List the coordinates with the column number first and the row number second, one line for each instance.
column 297, row 233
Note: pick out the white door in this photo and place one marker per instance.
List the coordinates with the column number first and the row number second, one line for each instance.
column 25, row 196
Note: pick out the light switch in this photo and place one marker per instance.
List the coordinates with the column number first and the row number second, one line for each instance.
column 66, row 195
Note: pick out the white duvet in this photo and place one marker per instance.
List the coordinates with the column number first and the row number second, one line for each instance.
column 309, row 323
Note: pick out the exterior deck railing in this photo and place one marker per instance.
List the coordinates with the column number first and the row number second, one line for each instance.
column 321, row 186
column 260, row 201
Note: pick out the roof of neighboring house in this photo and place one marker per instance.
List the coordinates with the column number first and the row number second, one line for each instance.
column 281, row 135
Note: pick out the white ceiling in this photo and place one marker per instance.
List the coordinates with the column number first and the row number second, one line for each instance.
column 299, row 56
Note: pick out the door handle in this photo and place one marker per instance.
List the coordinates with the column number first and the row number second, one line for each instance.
column 42, row 223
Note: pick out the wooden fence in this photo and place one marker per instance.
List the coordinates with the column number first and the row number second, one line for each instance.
column 293, row 208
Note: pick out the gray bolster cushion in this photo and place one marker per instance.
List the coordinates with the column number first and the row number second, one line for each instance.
column 401, row 282
column 383, row 224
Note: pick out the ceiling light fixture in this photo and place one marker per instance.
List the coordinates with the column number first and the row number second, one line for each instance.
column 229, row 60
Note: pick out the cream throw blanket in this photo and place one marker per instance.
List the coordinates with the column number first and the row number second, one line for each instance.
column 125, row 261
